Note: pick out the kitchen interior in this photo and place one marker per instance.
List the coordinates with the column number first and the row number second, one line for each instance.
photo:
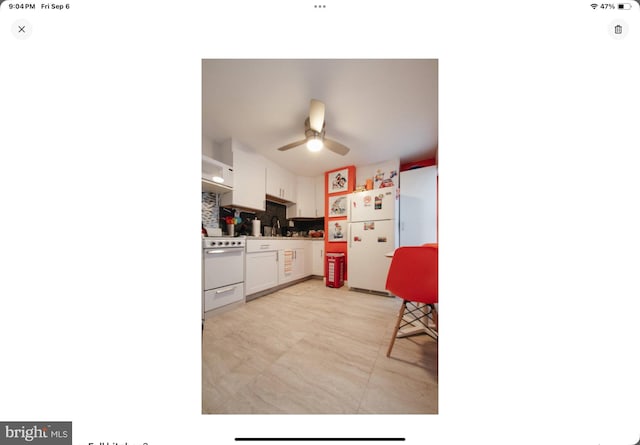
column 297, row 238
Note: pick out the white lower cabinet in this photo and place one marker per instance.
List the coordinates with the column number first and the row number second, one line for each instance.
column 270, row 263
column 317, row 260
column 261, row 271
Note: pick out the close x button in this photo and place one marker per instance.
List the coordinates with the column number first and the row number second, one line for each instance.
column 21, row 29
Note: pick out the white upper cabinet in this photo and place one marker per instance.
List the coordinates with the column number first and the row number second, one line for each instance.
column 281, row 184
column 320, row 194
column 305, row 206
column 249, row 179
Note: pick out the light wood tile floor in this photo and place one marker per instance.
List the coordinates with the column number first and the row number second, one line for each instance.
column 309, row 349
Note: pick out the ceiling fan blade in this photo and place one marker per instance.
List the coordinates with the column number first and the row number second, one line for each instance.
column 292, row 145
column 316, row 115
column 336, row 147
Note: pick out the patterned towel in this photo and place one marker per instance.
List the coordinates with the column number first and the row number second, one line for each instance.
column 288, row 261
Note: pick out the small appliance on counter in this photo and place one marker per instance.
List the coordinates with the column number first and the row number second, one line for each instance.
column 213, row 231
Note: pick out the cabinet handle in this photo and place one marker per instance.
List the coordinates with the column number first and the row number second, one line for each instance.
column 264, row 246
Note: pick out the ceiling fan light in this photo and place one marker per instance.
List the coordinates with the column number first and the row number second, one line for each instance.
column 314, row 144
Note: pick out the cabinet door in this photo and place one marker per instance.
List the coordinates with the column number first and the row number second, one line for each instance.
column 320, row 194
column 249, row 180
column 280, row 183
column 288, row 181
column 299, row 270
column 318, row 258
column 304, row 206
column 262, row 271
column 273, row 186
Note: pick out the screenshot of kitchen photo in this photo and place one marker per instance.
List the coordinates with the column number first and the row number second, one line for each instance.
column 319, row 236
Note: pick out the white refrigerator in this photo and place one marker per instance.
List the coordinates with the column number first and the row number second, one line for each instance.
column 373, row 233
column 418, row 206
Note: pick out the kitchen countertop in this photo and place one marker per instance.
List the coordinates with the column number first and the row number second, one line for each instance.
column 285, row 238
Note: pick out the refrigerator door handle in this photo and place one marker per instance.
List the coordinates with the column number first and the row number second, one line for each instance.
column 349, row 234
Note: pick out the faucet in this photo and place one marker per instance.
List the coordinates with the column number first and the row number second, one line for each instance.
column 275, row 227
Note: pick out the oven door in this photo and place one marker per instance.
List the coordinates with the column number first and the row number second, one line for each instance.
column 223, row 267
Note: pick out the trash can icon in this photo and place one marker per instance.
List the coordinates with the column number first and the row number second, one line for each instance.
column 618, row 29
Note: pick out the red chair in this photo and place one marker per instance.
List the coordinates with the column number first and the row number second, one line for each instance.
column 413, row 276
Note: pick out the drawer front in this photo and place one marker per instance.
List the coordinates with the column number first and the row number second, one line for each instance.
column 262, row 246
column 216, row 298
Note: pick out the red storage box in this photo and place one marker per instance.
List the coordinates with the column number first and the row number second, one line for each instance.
column 335, row 269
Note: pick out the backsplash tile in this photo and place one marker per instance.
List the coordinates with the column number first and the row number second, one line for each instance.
column 210, row 209
column 273, row 210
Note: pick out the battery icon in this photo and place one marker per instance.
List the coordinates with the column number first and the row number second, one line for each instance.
column 624, row 5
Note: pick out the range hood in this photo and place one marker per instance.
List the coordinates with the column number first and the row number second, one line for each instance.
column 217, row 177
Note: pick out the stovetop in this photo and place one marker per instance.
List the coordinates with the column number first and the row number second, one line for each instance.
column 223, row 241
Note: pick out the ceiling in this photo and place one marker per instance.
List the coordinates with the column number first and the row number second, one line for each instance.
column 380, row 109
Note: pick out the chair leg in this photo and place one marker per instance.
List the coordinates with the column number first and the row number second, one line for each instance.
column 395, row 331
column 434, row 314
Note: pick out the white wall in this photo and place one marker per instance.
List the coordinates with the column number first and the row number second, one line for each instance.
column 219, row 152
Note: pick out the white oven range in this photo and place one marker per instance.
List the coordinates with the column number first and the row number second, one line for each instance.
column 222, row 272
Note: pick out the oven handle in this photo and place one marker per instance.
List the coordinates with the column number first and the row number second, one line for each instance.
column 226, row 289
column 219, row 251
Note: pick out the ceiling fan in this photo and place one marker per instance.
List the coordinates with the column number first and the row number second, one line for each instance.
column 314, row 132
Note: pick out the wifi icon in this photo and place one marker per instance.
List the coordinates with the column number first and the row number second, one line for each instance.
column 594, row 5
